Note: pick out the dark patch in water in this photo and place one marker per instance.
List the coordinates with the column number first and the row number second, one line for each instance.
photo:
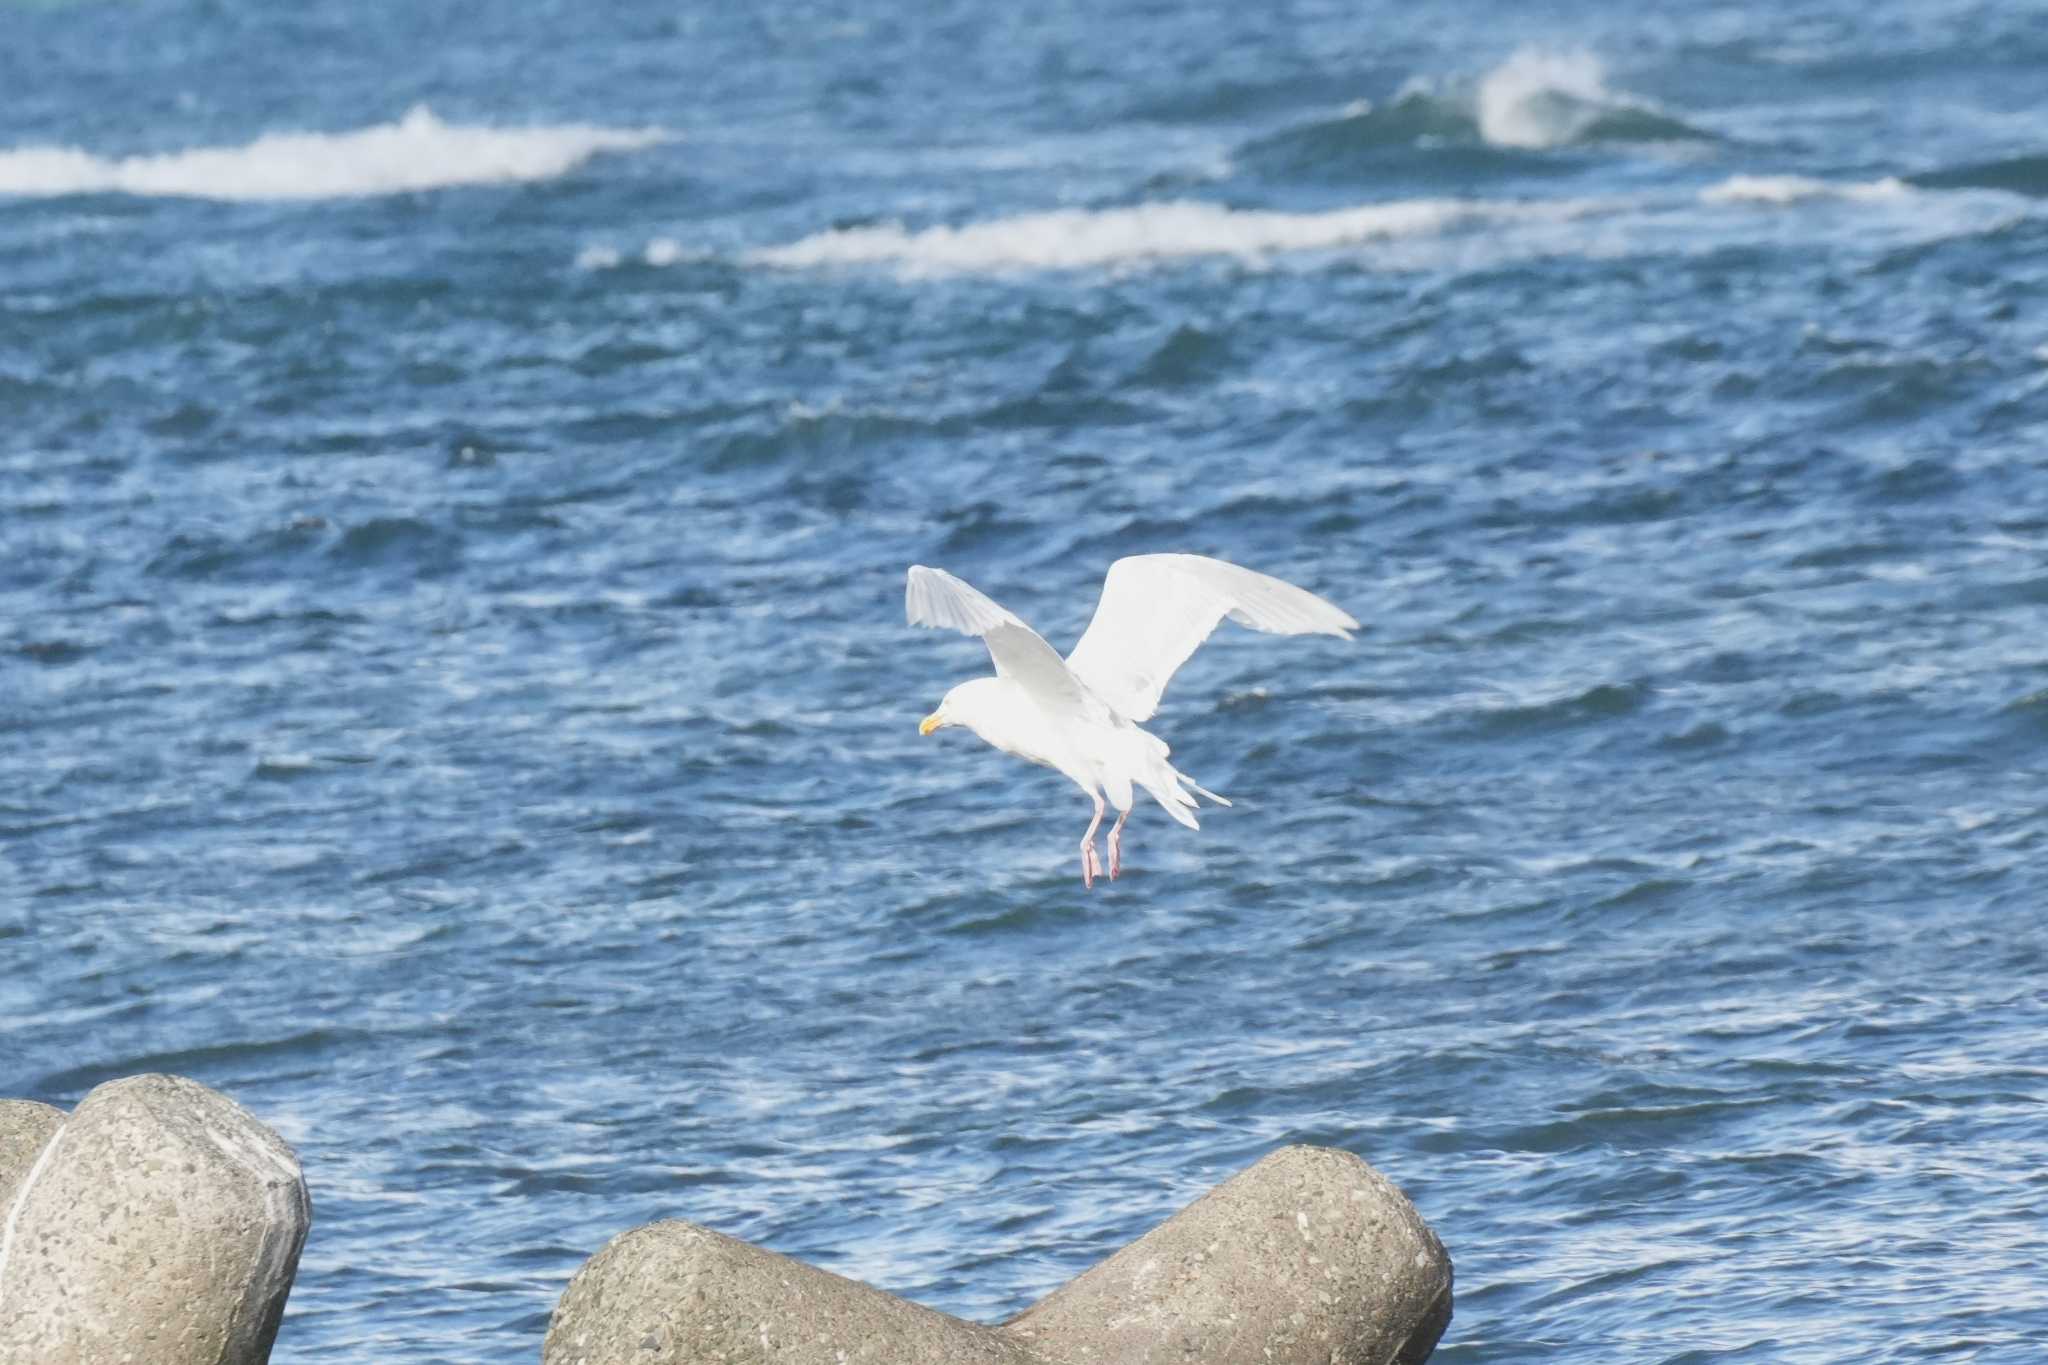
column 202, row 1062
column 53, row 653
column 2026, row 175
column 407, row 543
column 1606, row 702
column 1189, row 355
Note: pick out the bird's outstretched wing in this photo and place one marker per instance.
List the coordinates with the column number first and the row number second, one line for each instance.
column 933, row 597
column 1156, row 609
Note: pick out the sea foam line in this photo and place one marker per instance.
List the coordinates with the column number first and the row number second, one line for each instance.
column 1165, row 231
column 417, row 152
column 1794, row 189
column 1073, row 239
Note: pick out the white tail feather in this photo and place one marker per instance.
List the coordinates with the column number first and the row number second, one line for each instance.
column 1167, row 788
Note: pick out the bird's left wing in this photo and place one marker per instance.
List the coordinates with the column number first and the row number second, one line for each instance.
column 933, row 597
column 1156, row 609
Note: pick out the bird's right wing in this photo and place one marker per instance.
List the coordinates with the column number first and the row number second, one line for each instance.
column 933, row 597
column 1157, row 609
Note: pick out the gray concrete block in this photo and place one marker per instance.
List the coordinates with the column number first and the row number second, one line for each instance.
column 672, row 1293
column 160, row 1225
column 1309, row 1256
column 25, row 1127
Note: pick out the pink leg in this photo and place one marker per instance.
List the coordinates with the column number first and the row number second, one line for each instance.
column 1116, row 843
column 1091, row 867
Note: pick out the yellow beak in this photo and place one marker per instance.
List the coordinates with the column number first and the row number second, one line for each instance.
column 929, row 723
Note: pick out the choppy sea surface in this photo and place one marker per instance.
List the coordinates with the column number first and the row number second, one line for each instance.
column 457, row 469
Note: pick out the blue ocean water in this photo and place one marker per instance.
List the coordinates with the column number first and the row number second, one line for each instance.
column 457, row 472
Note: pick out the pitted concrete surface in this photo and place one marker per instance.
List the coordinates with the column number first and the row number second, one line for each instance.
column 1309, row 1256
column 672, row 1293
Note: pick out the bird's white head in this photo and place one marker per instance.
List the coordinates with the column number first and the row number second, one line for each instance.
column 976, row 704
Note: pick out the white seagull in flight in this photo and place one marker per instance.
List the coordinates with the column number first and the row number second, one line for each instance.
column 1080, row 714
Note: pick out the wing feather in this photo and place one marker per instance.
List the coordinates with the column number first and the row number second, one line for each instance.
column 1157, row 609
column 933, row 597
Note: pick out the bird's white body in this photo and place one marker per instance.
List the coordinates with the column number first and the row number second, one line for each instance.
column 1080, row 715
column 1111, row 756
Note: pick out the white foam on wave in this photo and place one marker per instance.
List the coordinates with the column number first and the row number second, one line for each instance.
column 1540, row 98
column 659, row 251
column 1075, row 239
column 417, row 152
column 1793, row 189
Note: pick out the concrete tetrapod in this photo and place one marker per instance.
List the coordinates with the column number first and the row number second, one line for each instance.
column 672, row 1293
column 161, row 1223
column 1308, row 1256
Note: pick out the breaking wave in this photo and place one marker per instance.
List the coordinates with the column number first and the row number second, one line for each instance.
column 1533, row 101
column 418, row 152
column 1539, row 99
